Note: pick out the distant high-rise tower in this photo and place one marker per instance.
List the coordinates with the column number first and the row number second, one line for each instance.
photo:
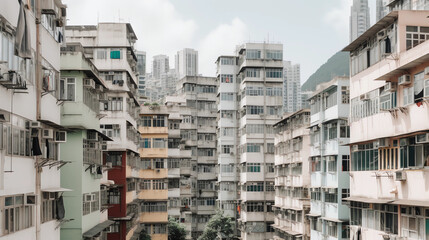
column 187, row 62
column 141, row 69
column 291, row 87
column 161, row 64
column 381, row 9
column 359, row 18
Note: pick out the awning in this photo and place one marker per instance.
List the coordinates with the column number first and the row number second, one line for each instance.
column 407, row 202
column 126, row 218
column 369, row 200
column 332, row 219
column 56, row 189
column 97, row 229
column 313, row 214
column 107, row 182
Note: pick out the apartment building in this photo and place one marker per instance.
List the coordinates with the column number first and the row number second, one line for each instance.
column 160, row 65
column 250, row 103
column 197, row 96
column 141, row 69
column 227, row 135
column 292, row 165
column 389, row 128
column 359, row 18
column 113, row 54
column 81, row 92
column 30, row 120
column 329, row 158
column 154, row 182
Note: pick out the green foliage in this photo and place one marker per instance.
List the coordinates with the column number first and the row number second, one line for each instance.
column 176, row 231
column 146, row 104
column 144, row 235
column 337, row 65
column 218, row 227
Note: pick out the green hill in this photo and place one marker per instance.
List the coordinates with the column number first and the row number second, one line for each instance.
column 337, row 65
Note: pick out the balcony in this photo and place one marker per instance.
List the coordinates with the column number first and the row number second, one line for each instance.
column 153, row 194
column 153, row 152
column 154, row 217
column 153, row 130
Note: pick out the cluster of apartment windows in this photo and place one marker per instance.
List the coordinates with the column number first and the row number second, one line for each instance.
column 115, row 77
column 259, row 91
column 155, row 184
column 227, row 186
column 375, row 49
column 414, row 222
column 381, row 217
column 258, row 129
column 90, row 202
column 92, row 153
column 190, row 87
column 157, row 163
column 206, row 152
column 294, row 192
column 258, row 187
column 227, row 114
column 293, row 123
column 258, row 206
column 226, row 78
column 68, row 89
column 259, row 227
column 153, row 143
column 227, row 96
column 329, row 163
column 227, row 149
column 206, row 201
column 205, row 185
column 114, row 196
column 153, row 121
column 289, row 214
column 290, row 170
column 227, row 61
column 24, row 67
column 115, row 53
column 113, row 104
column 253, row 54
column 274, row 54
column 206, row 105
column 416, row 35
column 154, row 207
column 206, row 168
column 273, row 73
column 289, row 146
column 111, row 130
column 227, row 132
column 16, row 139
column 18, row 215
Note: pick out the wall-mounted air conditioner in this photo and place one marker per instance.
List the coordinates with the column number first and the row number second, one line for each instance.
column 48, row 134
column 89, row 83
column 400, row 176
column 422, row 138
column 404, row 79
column 383, row 142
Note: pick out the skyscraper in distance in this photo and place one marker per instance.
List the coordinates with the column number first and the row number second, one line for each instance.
column 291, row 87
column 359, row 18
column 186, row 62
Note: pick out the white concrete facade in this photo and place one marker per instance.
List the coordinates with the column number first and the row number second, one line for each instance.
column 28, row 109
column 292, row 165
column 292, row 100
column 186, row 62
column 329, row 157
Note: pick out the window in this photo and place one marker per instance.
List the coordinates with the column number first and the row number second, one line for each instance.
column 49, row 206
column 344, row 129
column 413, row 155
column 273, row 73
column 273, row 110
column 227, row 168
column 332, row 229
column 101, row 54
column 316, row 194
column 332, row 163
column 67, row 89
column 206, row 152
column 158, row 163
column 113, row 104
column 154, row 207
column 274, row 54
column 159, row 121
column 253, row 72
column 226, row 149
column 255, row 207
column 111, row 130
column 274, row 91
column 146, row 143
column 173, row 163
column 253, row 147
column 114, row 195
column 254, row 91
column 365, row 158
column 158, row 185
column 345, row 163
column 387, row 100
column 270, row 167
column 408, row 94
column 345, row 95
column 253, row 54
column 227, row 61
column 159, row 143
column 253, row 167
column 146, row 121
column 159, row 229
column 114, row 158
column 227, row 96
column 254, row 110
column 227, row 114
column 227, row 132
column 17, row 216
column 226, row 78
column 331, row 195
column 416, row 35
column 91, row 202
column 426, row 91
column 115, row 53
column 270, row 148
column 254, row 187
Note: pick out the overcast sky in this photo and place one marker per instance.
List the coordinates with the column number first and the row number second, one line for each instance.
column 310, row 30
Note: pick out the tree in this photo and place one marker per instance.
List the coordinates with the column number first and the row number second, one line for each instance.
column 218, row 227
column 144, row 236
column 176, row 231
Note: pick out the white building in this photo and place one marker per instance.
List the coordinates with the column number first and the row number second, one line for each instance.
column 291, row 87
column 30, row 120
column 160, row 65
column 359, row 18
column 186, row 62
column 389, row 129
column 292, row 200
column 250, row 103
column 329, row 157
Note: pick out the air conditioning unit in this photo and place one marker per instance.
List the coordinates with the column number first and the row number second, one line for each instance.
column 13, row 80
column 109, row 164
column 30, row 199
column 422, row 138
column 404, row 79
column 48, row 133
column 35, row 124
column 92, row 136
column 383, row 142
column 364, row 97
column 331, row 224
column 404, row 142
column 400, row 176
column 121, row 83
column 355, row 148
column 311, row 101
column 111, row 73
column 426, row 70
column 59, row 22
column 390, row 86
column 329, row 125
column 89, row 83
column 102, row 97
column 89, row 197
column 332, row 190
column 103, row 146
column 60, row 136
column 381, row 34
